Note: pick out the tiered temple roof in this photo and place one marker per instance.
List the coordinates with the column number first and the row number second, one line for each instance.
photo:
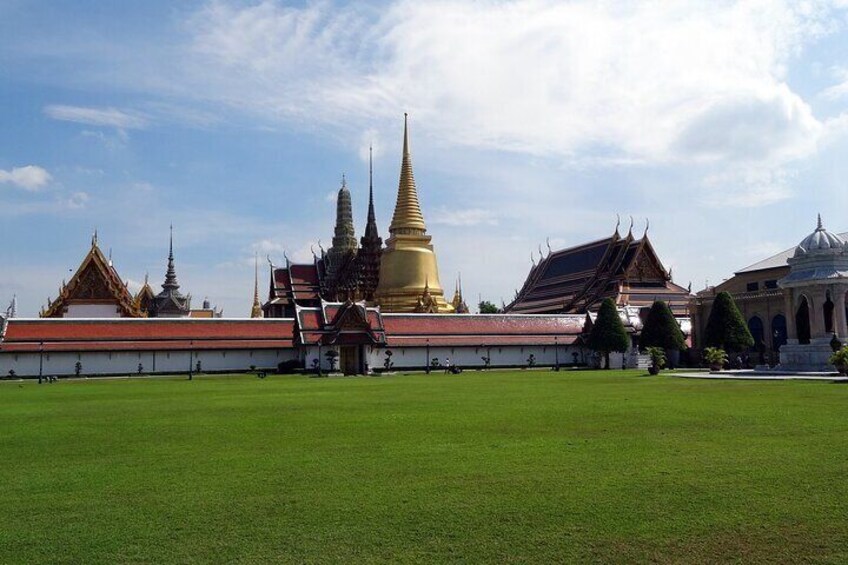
column 577, row 279
column 96, row 282
column 170, row 302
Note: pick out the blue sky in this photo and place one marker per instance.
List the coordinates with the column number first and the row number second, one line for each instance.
column 723, row 122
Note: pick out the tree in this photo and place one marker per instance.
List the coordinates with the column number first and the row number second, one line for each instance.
column 661, row 329
column 608, row 333
column 726, row 328
column 487, row 307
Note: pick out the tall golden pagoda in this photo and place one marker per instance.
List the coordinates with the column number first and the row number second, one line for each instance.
column 409, row 273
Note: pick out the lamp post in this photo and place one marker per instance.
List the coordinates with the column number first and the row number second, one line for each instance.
column 556, row 352
column 427, row 367
column 319, row 357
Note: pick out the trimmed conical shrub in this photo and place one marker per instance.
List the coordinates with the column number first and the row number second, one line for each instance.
column 726, row 328
column 608, row 333
column 661, row 329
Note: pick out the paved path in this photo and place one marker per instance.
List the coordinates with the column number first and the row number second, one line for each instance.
column 752, row 376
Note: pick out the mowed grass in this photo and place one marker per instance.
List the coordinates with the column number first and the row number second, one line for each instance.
column 498, row 467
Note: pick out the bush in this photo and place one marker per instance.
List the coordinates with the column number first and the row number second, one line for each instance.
column 657, row 355
column 608, row 333
column 661, row 329
column 726, row 329
column 840, row 360
column 290, row 366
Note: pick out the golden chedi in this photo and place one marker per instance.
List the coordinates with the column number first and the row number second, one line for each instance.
column 408, row 269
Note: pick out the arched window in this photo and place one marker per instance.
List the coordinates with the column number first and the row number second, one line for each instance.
column 802, row 321
column 827, row 310
column 755, row 326
column 778, row 331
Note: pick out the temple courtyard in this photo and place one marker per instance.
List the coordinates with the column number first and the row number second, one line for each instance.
column 499, row 466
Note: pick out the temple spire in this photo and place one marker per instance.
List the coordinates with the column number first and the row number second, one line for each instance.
column 819, row 226
column 407, row 218
column 371, row 223
column 171, row 274
column 256, row 310
column 344, row 237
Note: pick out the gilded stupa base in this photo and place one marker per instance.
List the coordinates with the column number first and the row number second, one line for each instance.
column 409, row 277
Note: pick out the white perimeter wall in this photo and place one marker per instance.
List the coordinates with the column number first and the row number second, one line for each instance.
column 96, row 363
column 466, row 357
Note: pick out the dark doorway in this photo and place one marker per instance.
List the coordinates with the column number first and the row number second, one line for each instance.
column 350, row 360
column 802, row 321
column 827, row 310
column 778, row 331
column 755, row 326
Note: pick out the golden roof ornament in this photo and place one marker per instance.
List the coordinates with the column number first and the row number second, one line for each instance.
column 407, row 218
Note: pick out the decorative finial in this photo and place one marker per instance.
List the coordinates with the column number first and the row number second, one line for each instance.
column 647, row 226
column 94, row 238
column 819, row 227
column 541, row 255
column 344, row 183
column 548, row 243
column 532, row 259
column 617, row 222
column 630, row 229
column 689, row 288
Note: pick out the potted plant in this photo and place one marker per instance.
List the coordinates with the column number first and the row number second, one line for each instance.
column 840, row 360
column 332, row 356
column 657, row 355
column 715, row 358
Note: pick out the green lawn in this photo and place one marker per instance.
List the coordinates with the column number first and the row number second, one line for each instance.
column 500, row 467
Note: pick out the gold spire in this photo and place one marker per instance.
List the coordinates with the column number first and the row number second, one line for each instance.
column 256, row 311
column 409, row 275
column 407, row 218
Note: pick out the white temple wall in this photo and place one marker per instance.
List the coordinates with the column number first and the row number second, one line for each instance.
column 92, row 311
column 126, row 362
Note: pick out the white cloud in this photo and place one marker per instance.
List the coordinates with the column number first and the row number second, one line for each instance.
column 652, row 83
column 77, row 200
column 108, row 117
column 30, row 177
column 629, row 79
column 464, row 217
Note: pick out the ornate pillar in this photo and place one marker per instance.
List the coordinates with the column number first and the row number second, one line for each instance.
column 818, row 297
column 789, row 304
column 839, row 321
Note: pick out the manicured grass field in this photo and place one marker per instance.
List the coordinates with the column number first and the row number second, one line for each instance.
column 498, row 467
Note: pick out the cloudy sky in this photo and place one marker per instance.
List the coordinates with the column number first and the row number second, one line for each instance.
column 725, row 123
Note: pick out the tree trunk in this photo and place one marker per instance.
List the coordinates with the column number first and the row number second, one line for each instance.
column 606, row 360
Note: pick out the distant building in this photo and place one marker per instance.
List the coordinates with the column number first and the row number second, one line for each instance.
column 757, row 291
column 170, row 303
column 402, row 277
column 577, row 279
column 97, row 291
column 94, row 291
